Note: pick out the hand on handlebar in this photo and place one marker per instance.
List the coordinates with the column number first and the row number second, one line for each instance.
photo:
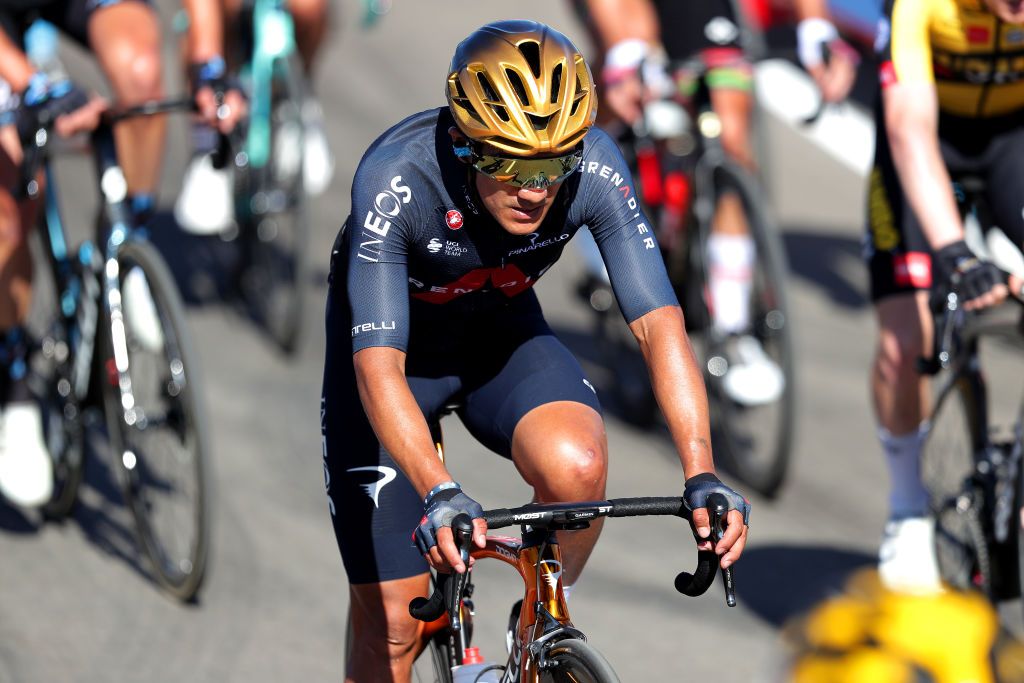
column 830, row 60
column 220, row 102
column 434, row 535
column 61, row 104
column 980, row 283
column 730, row 546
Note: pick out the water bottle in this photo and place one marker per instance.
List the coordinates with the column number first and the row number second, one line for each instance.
column 42, row 47
column 474, row 669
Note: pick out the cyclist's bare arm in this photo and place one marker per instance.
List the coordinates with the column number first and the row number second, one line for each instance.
column 403, row 432
column 626, row 32
column 834, row 79
column 14, row 65
column 680, row 391
column 618, row 20
column 912, row 124
column 16, row 69
column 206, row 42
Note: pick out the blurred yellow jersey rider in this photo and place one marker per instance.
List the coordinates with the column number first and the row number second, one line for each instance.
column 871, row 634
column 975, row 59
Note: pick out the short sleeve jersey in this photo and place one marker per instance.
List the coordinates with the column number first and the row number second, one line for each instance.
column 975, row 60
column 421, row 250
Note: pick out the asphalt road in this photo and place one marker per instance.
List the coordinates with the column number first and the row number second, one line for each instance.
column 76, row 603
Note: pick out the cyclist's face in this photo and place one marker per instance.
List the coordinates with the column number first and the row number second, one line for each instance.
column 519, row 210
column 1011, row 11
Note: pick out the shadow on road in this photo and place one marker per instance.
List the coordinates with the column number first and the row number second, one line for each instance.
column 781, row 581
column 99, row 512
column 202, row 265
column 828, row 262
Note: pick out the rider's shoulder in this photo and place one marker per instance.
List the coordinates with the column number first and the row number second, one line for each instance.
column 409, row 144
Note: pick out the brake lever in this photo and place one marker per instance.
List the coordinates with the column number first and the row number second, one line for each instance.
column 462, row 531
column 718, row 510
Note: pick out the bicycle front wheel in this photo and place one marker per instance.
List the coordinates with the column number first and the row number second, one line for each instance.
column 275, row 219
column 576, row 661
column 947, row 470
column 156, row 422
column 753, row 433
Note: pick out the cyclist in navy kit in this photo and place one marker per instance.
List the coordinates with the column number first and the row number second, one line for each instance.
column 456, row 213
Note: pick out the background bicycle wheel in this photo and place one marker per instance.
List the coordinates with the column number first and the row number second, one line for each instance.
column 74, row 605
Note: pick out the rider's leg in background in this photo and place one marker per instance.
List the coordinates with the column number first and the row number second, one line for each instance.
column 384, row 634
column 561, row 450
column 26, row 471
column 730, row 248
column 753, row 377
column 126, row 38
column 901, row 403
column 311, row 26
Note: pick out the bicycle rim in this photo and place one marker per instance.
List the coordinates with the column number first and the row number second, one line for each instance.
column 947, row 464
column 755, row 441
column 158, row 433
column 275, row 226
column 575, row 661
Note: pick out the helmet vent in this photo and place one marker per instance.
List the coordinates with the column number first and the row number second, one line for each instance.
column 531, row 53
column 463, row 101
column 556, row 82
column 539, row 122
column 490, row 94
column 517, row 84
column 501, row 112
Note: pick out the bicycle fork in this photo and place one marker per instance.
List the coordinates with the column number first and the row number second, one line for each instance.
column 116, row 217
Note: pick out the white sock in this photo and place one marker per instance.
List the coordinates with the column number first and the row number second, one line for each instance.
column 907, row 495
column 730, row 260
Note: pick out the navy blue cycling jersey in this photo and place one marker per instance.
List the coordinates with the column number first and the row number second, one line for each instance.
column 422, row 250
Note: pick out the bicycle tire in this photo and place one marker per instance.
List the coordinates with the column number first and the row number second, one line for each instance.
column 755, row 442
column 947, row 466
column 168, row 419
column 274, row 225
column 576, row 661
column 432, row 666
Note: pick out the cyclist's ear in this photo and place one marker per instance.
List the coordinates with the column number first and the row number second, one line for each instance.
column 460, row 145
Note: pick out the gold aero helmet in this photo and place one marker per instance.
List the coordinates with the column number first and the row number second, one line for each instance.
column 521, row 87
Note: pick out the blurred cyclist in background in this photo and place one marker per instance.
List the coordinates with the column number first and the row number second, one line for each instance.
column 125, row 37
column 952, row 103
column 205, row 204
column 456, row 213
column 869, row 633
column 657, row 48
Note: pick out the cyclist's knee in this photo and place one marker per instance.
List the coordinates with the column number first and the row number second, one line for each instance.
column 578, row 467
column 136, row 73
column 736, row 143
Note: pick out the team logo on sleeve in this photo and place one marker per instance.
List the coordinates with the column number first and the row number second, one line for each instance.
column 453, row 219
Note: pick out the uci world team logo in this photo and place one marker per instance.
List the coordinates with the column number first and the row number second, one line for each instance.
column 454, row 219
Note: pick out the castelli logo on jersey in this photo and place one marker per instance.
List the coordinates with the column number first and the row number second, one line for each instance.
column 454, row 219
